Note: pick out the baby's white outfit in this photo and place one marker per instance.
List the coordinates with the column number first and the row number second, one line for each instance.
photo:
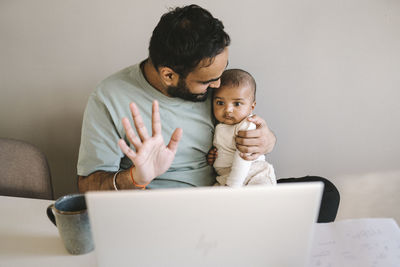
column 232, row 170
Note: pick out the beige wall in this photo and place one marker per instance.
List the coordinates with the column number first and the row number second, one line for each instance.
column 327, row 74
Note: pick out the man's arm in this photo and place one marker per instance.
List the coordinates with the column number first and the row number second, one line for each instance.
column 102, row 180
column 254, row 143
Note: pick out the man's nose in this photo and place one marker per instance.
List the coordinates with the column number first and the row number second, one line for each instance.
column 215, row 84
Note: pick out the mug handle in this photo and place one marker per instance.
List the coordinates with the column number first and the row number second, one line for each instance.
column 50, row 214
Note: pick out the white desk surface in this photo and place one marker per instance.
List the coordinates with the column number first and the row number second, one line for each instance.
column 29, row 238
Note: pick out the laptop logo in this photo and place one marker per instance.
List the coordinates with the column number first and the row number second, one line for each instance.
column 206, row 245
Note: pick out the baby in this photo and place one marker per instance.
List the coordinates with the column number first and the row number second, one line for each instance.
column 233, row 102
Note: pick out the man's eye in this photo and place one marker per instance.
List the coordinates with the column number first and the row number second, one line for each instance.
column 220, row 103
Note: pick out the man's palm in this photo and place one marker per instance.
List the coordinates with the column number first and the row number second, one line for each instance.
column 151, row 158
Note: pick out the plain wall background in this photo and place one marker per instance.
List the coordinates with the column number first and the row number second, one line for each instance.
column 327, row 74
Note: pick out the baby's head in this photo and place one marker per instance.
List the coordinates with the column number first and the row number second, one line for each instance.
column 235, row 99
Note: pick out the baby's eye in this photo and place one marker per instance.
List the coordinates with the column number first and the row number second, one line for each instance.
column 220, row 103
column 237, row 104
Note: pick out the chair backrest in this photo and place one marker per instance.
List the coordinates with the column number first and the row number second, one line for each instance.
column 24, row 171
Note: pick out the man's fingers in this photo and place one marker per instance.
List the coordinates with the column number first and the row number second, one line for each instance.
column 258, row 121
column 247, row 141
column 156, row 122
column 139, row 125
column 248, row 149
column 126, row 149
column 175, row 138
column 130, row 133
column 262, row 136
column 213, row 151
column 256, row 133
column 247, row 156
column 212, row 156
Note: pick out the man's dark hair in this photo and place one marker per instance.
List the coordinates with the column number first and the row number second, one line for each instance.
column 185, row 36
column 237, row 77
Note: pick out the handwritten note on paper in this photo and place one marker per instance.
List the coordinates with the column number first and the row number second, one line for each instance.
column 356, row 243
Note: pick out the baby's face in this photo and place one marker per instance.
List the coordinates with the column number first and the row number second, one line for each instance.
column 232, row 103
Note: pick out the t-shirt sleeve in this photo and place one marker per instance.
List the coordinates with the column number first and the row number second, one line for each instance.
column 99, row 148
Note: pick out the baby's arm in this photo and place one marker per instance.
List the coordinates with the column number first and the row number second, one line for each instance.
column 240, row 167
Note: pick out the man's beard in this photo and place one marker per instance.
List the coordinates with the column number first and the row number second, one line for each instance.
column 183, row 92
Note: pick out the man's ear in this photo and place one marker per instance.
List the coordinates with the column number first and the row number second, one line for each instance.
column 168, row 76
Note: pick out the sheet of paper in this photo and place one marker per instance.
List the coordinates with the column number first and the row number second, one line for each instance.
column 356, row 243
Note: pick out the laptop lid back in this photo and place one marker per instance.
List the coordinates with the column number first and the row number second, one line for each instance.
column 209, row 226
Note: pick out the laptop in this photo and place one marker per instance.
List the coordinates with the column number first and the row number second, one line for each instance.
column 207, row 226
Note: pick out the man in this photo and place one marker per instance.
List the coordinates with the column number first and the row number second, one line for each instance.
column 187, row 54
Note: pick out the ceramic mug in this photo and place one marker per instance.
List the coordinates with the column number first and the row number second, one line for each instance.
column 69, row 214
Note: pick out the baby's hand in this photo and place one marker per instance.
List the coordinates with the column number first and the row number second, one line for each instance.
column 212, row 155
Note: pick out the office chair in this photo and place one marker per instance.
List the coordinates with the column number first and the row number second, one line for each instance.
column 24, row 171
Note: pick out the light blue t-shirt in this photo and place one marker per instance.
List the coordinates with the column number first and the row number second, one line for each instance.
column 102, row 128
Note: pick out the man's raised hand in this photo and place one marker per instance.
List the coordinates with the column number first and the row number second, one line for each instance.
column 151, row 158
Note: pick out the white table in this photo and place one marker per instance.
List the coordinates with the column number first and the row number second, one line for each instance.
column 28, row 238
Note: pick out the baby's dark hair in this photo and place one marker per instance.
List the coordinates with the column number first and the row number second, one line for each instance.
column 237, row 77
